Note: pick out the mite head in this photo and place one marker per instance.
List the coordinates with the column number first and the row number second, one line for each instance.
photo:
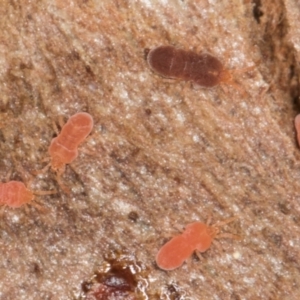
column 225, row 76
column 27, row 197
column 57, row 165
column 200, row 235
column 213, row 231
column 228, row 77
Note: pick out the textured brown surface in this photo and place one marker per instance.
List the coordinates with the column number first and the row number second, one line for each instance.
column 162, row 153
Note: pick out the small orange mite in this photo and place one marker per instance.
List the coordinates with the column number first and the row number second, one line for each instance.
column 203, row 69
column 297, row 126
column 196, row 237
column 15, row 194
column 63, row 149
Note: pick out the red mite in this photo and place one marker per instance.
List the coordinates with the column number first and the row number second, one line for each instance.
column 203, row 69
column 63, row 148
column 15, row 194
column 297, row 126
column 196, row 237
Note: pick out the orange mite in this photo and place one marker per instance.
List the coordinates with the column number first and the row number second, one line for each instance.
column 196, row 237
column 297, row 126
column 203, row 69
column 63, row 148
column 15, row 194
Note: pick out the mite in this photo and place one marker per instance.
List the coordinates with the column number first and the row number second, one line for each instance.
column 197, row 236
column 297, row 126
column 63, row 149
column 203, row 69
column 15, row 194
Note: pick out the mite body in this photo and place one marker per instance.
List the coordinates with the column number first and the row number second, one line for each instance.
column 15, row 194
column 203, row 69
column 63, row 149
column 297, row 126
column 197, row 236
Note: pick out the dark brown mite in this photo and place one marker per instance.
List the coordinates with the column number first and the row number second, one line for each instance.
column 203, row 69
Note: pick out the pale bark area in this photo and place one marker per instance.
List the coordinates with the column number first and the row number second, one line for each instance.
column 165, row 151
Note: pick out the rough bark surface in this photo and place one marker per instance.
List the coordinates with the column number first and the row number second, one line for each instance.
column 163, row 153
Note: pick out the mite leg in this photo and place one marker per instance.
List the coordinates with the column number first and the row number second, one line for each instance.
column 189, row 262
column 234, row 85
column 224, row 222
column 179, row 228
column 42, row 171
column 208, row 222
column 43, row 193
column 244, row 70
column 228, row 236
column 199, row 255
column 218, row 245
column 39, row 207
column 64, row 188
column 61, row 121
column 61, row 124
column 240, row 71
column 26, row 177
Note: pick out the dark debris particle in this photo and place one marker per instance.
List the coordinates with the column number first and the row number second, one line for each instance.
column 272, row 237
column 177, row 179
column 89, row 70
column 133, row 216
column 86, row 286
column 173, row 292
column 146, row 51
column 148, row 111
column 195, row 257
column 284, row 207
column 235, row 296
column 35, row 269
column 2, row 138
column 257, row 12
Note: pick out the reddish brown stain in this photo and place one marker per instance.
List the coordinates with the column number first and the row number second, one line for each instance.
column 120, row 281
